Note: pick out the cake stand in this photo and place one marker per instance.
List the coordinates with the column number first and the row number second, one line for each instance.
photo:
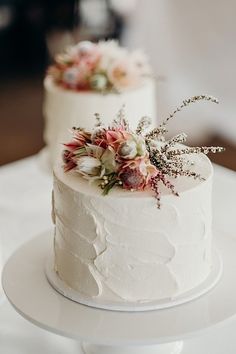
column 111, row 332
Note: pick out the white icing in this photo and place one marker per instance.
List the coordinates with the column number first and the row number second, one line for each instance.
column 64, row 109
column 122, row 247
column 78, row 274
column 133, row 278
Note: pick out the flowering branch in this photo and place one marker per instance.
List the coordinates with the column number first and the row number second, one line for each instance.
column 161, row 130
column 195, row 150
column 98, row 120
column 120, row 121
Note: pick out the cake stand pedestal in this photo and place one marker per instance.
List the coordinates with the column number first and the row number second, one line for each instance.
column 111, row 332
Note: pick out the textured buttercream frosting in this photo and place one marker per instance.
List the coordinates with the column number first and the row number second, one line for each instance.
column 64, row 109
column 121, row 247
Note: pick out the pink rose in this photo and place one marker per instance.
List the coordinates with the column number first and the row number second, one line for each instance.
column 123, row 74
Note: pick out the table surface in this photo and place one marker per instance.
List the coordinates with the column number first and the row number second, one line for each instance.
column 25, row 211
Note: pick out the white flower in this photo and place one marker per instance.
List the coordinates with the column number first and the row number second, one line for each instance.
column 85, row 47
column 89, row 166
column 105, row 156
column 141, row 146
column 128, row 150
column 82, row 48
column 108, row 160
column 99, row 162
column 98, row 82
column 132, row 148
column 141, row 62
column 110, row 51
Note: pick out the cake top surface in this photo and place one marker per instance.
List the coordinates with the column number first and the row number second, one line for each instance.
column 101, row 67
column 116, row 158
column 201, row 165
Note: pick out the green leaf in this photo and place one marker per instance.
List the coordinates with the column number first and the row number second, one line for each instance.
column 109, row 186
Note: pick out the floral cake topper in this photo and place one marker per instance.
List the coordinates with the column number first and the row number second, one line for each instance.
column 102, row 66
column 133, row 160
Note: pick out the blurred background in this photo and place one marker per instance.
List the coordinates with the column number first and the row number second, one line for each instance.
column 191, row 46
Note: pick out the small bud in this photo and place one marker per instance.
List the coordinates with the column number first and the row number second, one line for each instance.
column 98, row 82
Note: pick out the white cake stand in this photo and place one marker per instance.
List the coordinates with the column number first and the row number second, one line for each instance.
column 111, row 332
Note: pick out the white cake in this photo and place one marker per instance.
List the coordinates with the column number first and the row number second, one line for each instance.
column 122, row 248
column 64, row 109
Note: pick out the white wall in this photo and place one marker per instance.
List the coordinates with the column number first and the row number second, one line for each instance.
column 192, row 45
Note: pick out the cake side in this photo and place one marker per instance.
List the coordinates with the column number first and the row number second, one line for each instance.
column 121, row 247
column 64, row 109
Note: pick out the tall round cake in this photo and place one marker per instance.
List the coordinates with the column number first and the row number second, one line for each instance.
column 90, row 76
column 121, row 248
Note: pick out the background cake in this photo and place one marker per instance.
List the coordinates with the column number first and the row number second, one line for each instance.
column 88, row 76
column 148, row 236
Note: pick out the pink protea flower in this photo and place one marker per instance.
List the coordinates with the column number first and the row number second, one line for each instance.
column 80, row 139
column 68, row 159
column 137, row 174
column 113, row 138
column 132, row 179
column 76, row 76
column 116, row 137
column 99, row 137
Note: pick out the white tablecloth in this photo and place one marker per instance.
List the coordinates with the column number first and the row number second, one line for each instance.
column 25, row 211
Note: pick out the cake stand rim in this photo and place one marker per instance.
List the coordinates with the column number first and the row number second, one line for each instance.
column 92, row 336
